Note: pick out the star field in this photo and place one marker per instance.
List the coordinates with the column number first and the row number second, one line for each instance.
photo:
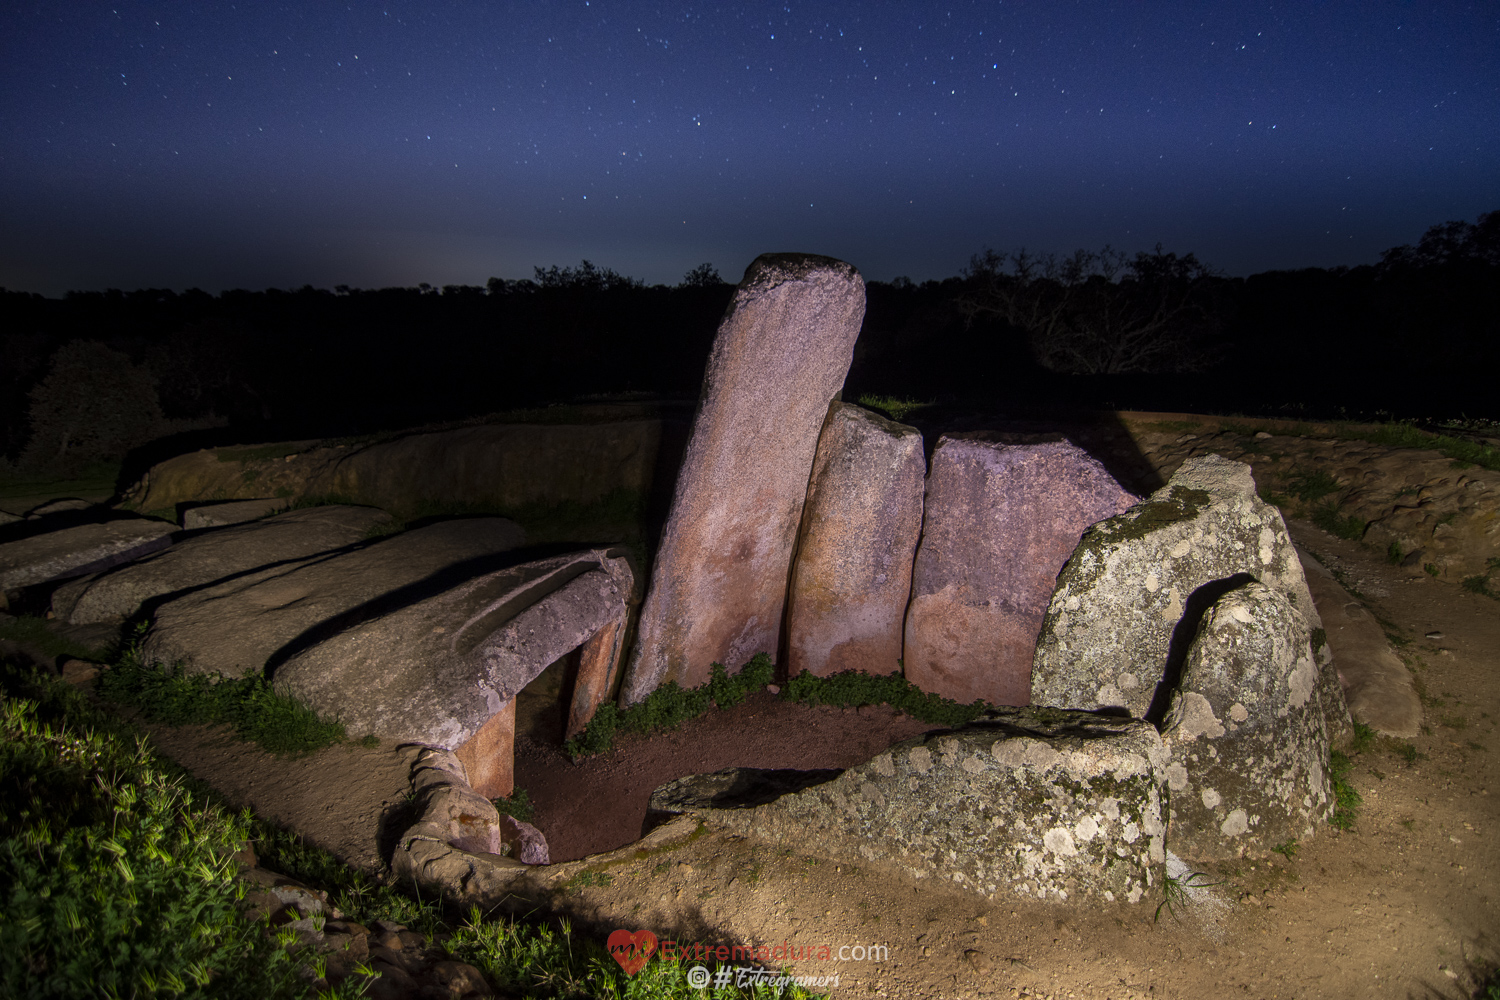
column 245, row 145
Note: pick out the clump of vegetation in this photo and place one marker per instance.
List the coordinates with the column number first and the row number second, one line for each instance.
column 1310, row 487
column 671, row 705
column 31, row 631
column 1345, row 798
column 518, row 805
column 853, row 688
column 93, row 406
column 1328, row 517
column 1404, row 435
column 895, row 408
column 117, row 881
column 257, row 713
column 1480, row 585
column 1364, row 738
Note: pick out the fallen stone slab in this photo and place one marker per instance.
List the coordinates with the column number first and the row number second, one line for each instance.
column 435, row 671
column 240, row 626
column 1041, row 804
column 1377, row 685
column 219, row 515
column 999, row 521
column 1246, row 732
column 208, row 558
column 718, row 583
column 1130, row 599
column 448, row 810
column 79, row 550
column 852, row 574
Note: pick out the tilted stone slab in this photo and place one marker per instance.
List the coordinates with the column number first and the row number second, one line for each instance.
column 1377, row 685
column 1246, row 732
column 999, row 521
column 436, row 671
column 718, row 584
column 208, row 558
column 1046, row 805
column 1138, row 578
column 79, row 550
column 852, row 574
column 236, row 627
column 220, row 515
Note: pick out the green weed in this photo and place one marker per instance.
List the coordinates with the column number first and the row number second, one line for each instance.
column 1406, row 751
column 1310, row 487
column 853, row 688
column 1408, row 436
column 1480, row 585
column 257, row 713
column 1327, row 517
column 1453, row 721
column 897, row 409
column 1175, row 892
column 589, row 878
column 1364, row 738
column 1394, row 555
column 1346, row 799
column 1288, row 850
column 517, row 805
column 1430, row 569
column 670, row 705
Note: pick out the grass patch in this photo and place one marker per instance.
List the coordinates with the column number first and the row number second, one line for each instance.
column 257, row 713
column 670, row 705
column 32, row 631
column 1310, row 487
column 1349, row 526
column 896, row 409
column 1409, row 436
column 1480, row 585
column 115, row 879
column 853, row 688
column 1288, row 850
column 1454, row 722
column 518, row 805
column 1345, row 798
column 1364, row 738
column 1394, row 555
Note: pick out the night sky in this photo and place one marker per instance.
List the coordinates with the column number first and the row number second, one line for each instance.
column 259, row 144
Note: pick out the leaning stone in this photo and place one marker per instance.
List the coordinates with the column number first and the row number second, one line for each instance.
column 598, row 669
column 1377, row 685
column 448, row 809
column 1040, row 804
column 718, row 585
column 83, row 549
column 1129, row 600
column 219, row 515
column 852, row 575
column 1246, row 732
column 523, row 841
column 999, row 521
column 237, row 627
column 209, row 558
column 434, row 671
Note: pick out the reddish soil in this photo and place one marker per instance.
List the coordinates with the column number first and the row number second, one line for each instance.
column 599, row 804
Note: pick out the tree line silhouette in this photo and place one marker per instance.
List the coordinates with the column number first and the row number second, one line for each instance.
column 1416, row 335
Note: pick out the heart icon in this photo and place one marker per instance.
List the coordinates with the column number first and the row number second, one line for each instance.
column 632, row 950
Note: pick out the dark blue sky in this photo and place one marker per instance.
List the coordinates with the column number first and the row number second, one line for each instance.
column 256, row 144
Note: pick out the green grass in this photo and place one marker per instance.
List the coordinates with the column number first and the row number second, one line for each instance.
column 1480, row 585
column 29, row 630
column 517, row 805
column 1346, row 799
column 257, row 713
column 897, row 409
column 115, row 880
column 1327, row 517
column 1364, row 738
column 853, row 688
column 670, row 705
column 1288, row 850
column 1310, row 487
column 1407, row 436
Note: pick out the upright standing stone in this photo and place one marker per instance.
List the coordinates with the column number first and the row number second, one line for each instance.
column 852, row 574
column 999, row 521
column 718, row 586
column 1246, row 732
column 1153, row 571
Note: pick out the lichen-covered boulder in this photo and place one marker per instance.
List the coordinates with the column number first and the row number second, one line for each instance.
column 1246, row 733
column 852, row 574
column 718, row 580
column 1130, row 599
column 1043, row 804
column 999, row 520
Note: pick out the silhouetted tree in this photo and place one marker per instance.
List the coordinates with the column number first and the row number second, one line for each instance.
column 93, row 405
column 1101, row 313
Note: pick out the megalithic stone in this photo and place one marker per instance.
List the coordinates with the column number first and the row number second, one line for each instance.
column 852, row 573
column 999, row 522
column 718, row 585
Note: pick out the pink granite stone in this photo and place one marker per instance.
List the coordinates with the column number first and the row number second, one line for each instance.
column 852, row 574
column 718, row 585
column 1000, row 520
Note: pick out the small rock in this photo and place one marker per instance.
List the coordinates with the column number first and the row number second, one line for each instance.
column 977, row 960
column 461, row 979
column 412, row 941
column 1434, row 635
column 774, row 688
column 1262, row 436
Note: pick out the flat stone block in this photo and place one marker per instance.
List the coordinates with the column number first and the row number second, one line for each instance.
column 999, row 521
column 219, row 515
column 852, row 575
column 83, row 549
